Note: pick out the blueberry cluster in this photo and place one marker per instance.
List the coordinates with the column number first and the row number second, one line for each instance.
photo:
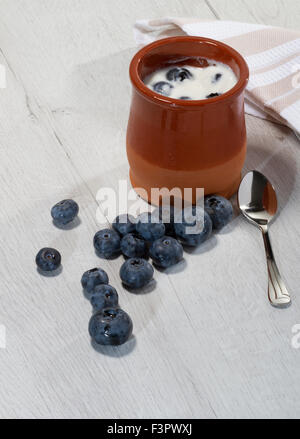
column 179, row 74
column 109, row 324
column 161, row 235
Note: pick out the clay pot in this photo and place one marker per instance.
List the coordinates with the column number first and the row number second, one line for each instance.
column 186, row 143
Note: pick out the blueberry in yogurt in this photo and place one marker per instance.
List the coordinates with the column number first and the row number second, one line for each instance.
column 216, row 77
column 178, row 74
column 213, row 95
column 163, row 88
column 195, row 81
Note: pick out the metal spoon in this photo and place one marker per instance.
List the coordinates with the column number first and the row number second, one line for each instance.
column 258, row 203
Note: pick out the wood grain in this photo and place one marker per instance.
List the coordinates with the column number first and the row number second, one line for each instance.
column 206, row 342
column 285, row 13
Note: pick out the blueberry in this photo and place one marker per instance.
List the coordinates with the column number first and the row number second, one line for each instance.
column 216, row 77
column 213, row 95
column 197, row 219
column 107, row 243
column 219, row 209
column 166, row 251
column 92, row 278
column 185, row 98
column 48, row 259
column 163, row 88
column 166, row 215
column 124, row 224
column 178, row 74
column 104, row 296
column 136, row 272
column 64, row 211
column 150, row 227
column 110, row 326
column 133, row 246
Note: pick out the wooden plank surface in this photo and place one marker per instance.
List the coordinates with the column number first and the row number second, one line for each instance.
column 206, row 342
column 285, row 13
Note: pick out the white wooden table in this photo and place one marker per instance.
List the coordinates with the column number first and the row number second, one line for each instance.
column 207, row 343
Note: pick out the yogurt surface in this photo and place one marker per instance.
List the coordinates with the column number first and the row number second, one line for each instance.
column 190, row 82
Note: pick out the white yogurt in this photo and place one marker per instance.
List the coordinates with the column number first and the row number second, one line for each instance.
column 189, row 82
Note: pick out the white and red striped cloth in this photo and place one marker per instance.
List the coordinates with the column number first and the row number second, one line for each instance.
column 272, row 54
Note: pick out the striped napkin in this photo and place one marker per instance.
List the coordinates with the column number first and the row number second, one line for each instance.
column 272, row 54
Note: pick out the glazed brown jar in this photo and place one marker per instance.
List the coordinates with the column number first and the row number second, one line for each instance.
column 186, row 143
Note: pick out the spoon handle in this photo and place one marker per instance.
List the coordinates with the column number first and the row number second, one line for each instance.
column 277, row 292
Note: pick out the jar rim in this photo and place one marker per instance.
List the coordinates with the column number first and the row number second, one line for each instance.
column 192, row 103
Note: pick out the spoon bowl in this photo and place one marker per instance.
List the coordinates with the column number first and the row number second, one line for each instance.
column 257, row 198
column 258, row 203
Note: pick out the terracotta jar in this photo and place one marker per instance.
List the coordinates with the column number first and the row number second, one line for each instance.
column 186, row 143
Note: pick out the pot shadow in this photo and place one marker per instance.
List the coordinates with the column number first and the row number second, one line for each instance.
column 101, row 92
column 279, row 165
column 101, row 86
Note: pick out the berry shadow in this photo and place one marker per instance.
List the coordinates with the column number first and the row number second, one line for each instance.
column 177, row 268
column 53, row 273
column 202, row 248
column 226, row 229
column 70, row 226
column 110, row 258
column 145, row 290
column 115, row 351
column 146, row 257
